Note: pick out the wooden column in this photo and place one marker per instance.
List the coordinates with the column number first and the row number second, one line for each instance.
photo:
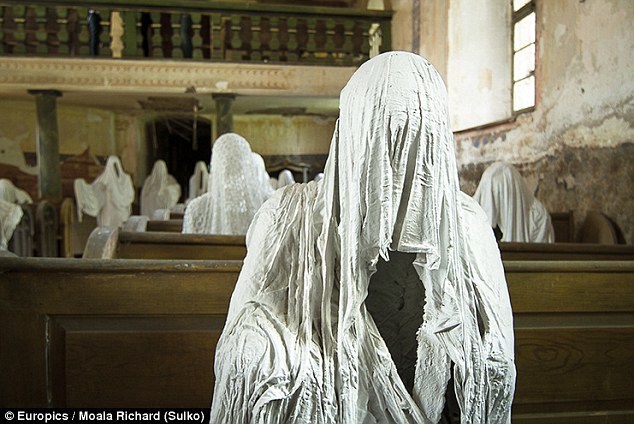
column 47, row 135
column 224, row 114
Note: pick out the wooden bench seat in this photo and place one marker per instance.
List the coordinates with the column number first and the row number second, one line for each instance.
column 565, row 251
column 166, row 226
column 574, row 341
column 139, row 333
column 106, row 243
column 110, row 333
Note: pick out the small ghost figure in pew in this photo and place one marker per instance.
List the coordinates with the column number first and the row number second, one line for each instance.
column 511, row 207
column 198, row 182
column 109, row 198
column 238, row 185
column 160, row 190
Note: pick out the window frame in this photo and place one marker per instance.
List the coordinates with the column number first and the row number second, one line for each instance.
column 517, row 16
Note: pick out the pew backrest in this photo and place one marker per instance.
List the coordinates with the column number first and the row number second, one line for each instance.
column 105, row 243
column 565, row 251
column 110, row 333
column 574, row 340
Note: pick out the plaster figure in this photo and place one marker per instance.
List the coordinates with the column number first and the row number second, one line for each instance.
column 109, row 198
column 198, row 182
column 235, row 190
column 264, row 178
column 511, row 207
column 300, row 343
column 10, row 216
column 10, row 193
column 285, row 178
column 160, row 190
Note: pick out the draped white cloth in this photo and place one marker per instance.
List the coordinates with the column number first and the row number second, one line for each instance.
column 299, row 344
column 235, row 193
column 10, row 216
column 285, row 178
column 199, row 180
column 264, row 179
column 318, row 177
column 509, row 204
column 10, row 193
column 109, row 198
column 160, row 190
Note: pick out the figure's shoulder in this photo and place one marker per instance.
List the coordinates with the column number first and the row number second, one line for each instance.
column 281, row 210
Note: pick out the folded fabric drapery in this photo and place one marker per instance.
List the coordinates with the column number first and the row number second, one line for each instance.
column 300, row 345
column 160, row 190
column 238, row 185
column 511, row 207
column 109, row 198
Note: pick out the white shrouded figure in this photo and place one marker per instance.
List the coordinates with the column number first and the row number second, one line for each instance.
column 10, row 216
column 109, row 198
column 10, row 211
column 285, row 178
column 235, row 190
column 199, row 180
column 300, row 344
column 264, row 178
column 160, row 190
column 10, row 193
column 511, row 207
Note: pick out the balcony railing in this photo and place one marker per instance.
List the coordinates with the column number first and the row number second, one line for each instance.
column 192, row 30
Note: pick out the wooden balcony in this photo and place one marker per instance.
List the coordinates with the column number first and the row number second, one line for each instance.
column 114, row 53
column 192, row 30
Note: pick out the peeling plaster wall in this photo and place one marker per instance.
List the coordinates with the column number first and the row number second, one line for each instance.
column 271, row 135
column 479, row 60
column 78, row 128
column 575, row 148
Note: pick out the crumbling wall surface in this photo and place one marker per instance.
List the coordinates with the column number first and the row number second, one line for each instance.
column 578, row 179
column 575, row 148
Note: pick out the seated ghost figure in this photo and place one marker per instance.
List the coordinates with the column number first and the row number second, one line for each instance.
column 285, row 178
column 198, row 181
column 109, row 197
column 160, row 190
column 235, row 190
column 300, row 344
column 10, row 216
column 511, row 207
column 10, row 193
column 264, row 178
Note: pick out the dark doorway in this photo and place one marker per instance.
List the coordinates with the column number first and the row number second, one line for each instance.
column 172, row 140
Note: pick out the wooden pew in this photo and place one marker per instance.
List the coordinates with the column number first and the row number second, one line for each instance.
column 21, row 242
column 563, row 225
column 115, row 333
column 565, row 251
column 574, row 341
column 123, row 333
column 105, row 243
column 167, row 226
column 74, row 234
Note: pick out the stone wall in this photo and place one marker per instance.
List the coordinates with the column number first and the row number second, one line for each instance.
column 576, row 148
column 578, row 179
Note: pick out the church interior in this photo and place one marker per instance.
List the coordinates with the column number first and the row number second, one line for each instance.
column 92, row 316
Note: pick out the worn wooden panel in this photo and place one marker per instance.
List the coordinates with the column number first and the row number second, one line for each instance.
column 600, row 417
column 166, row 245
column 549, row 286
column 135, row 313
column 512, row 251
column 134, row 361
column 168, row 225
column 574, row 364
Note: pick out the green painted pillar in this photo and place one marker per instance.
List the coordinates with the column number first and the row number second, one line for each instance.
column 224, row 114
column 47, row 135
